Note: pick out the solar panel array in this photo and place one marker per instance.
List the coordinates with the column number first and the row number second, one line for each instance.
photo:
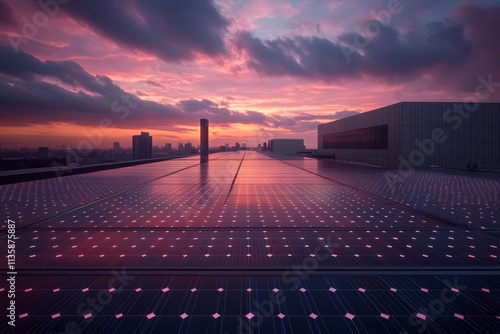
column 253, row 244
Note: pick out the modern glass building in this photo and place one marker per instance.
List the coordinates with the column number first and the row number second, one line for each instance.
column 417, row 135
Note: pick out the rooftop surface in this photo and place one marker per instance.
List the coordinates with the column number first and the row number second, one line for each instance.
column 250, row 243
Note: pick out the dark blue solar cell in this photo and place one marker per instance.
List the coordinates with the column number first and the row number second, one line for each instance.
column 251, row 243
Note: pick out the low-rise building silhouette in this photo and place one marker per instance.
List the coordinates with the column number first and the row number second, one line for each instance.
column 417, row 135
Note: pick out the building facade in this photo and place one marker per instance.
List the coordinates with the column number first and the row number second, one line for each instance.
column 417, row 135
column 142, row 146
column 286, row 146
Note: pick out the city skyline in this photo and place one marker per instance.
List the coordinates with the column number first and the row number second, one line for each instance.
column 257, row 70
column 127, row 146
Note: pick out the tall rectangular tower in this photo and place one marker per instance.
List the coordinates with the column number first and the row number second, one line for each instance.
column 203, row 140
column 142, row 146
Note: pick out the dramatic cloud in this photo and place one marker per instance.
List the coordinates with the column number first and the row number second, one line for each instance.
column 282, row 65
column 298, row 56
column 394, row 54
column 25, row 91
column 387, row 54
column 153, row 83
column 6, row 16
column 173, row 30
column 222, row 115
column 479, row 23
column 26, row 67
column 332, row 116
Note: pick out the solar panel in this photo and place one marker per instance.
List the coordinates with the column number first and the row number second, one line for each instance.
column 249, row 243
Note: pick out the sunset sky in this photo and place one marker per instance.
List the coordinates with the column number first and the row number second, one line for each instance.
column 256, row 69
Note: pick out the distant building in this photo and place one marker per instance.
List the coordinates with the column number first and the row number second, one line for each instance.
column 237, row 146
column 244, row 146
column 187, row 148
column 181, row 148
column 43, row 153
column 142, row 146
column 264, row 146
column 286, row 146
column 417, row 135
column 116, row 147
column 168, row 147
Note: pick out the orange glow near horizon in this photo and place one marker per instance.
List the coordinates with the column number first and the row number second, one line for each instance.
column 66, row 134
